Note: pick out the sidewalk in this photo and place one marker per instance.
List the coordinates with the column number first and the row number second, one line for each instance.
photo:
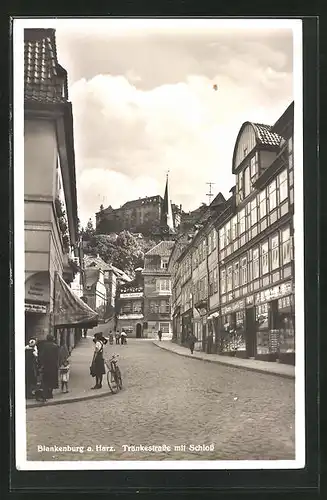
column 80, row 381
column 272, row 368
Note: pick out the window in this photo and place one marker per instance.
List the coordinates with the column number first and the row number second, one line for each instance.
column 244, row 273
column 236, row 274
column 286, row 246
column 222, row 238
column 234, row 228
column 272, row 196
column 164, row 306
column 204, row 249
column 254, row 217
column 215, row 280
column 247, row 184
column 240, row 185
column 264, row 258
column 241, row 217
column 228, row 233
column 164, row 263
column 290, row 151
column 211, row 292
column 137, row 307
column 223, row 281
column 253, row 167
column 229, row 278
column 274, row 252
column 262, row 204
column 214, row 239
column 282, row 186
column 163, row 285
column 256, row 270
column 154, row 306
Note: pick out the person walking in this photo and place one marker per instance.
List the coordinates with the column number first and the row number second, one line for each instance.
column 160, row 335
column 49, row 363
column 123, row 337
column 64, row 371
column 191, row 341
column 31, row 368
column 97, row 368
column 111, row 338
column 84, row 332
column 117, row 335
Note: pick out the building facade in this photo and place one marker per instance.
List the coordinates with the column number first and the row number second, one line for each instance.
column 157, row 290
column 130, row 307
column 243, row 256
column 50, row 200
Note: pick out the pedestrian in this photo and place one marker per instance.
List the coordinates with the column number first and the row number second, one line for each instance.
column 97, row 368
column 49, row 363
column 123, row 337
column 117, row 337
column 64, row 371
column 191, row 341
column 111, row 338
column 160, row 335
column 85, row 332
column 31, row 368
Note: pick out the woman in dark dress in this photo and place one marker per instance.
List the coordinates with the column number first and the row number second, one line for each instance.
column 97, row 368
column 49, row 363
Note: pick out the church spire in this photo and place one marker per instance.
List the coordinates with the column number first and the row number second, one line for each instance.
column 167, row 219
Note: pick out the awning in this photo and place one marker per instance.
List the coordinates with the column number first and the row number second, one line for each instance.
column 69, row 310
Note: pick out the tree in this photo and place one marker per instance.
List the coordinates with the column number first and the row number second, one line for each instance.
column 89, row 231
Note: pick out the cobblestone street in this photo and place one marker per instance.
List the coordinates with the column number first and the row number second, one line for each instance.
column 172, row 400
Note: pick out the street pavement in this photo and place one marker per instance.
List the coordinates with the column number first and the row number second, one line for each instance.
column 171, row 401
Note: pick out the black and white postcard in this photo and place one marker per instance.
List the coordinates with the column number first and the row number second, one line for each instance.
column 159, row 295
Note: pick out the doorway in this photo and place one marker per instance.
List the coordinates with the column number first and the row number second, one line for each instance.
column 138, row 330
column 251, row 333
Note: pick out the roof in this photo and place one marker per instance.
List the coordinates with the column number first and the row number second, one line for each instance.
column 162, row 249
column 44, row 79
column 142, row 201
column 98, row 261
column 265, row 136
column 120, row 273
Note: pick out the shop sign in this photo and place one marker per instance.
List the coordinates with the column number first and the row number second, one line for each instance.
column 37, row 287
column 35, row 308
column 233, row 307
column 273, row 293
column 133, row 295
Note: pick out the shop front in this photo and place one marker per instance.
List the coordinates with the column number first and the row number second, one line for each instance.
column 187, row 326
column 37, row 306
column 275, row 320
column 132, row 324
column 232, row 330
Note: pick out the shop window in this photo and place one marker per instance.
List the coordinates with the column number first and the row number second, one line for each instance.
column 223, row 281
column 282, row 179
column 229, row 278
column 262, row 204
column 272, row 195
column 256, row 267
column 274, row 245
column 253, row 213
column 244, row 274
column 264, row 258
column 286, row 246
column 236, row 275
column 241, row 218
column 262, row 329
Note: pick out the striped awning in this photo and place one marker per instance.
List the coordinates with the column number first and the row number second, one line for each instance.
column 69, row 310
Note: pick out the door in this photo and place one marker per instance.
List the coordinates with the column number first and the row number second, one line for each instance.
column 250, row 333
column 138, row 331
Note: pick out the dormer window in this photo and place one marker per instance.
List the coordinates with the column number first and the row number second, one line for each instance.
column 245, row 151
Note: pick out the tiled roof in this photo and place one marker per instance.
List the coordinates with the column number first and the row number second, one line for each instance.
column 44, row 79
column 163, row 249
column 89, row 261
column 265, row 136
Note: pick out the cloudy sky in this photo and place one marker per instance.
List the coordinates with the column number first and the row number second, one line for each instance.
column 144, row 103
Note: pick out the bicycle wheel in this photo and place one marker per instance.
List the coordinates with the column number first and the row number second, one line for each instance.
column 111, row 380
column 118, row 378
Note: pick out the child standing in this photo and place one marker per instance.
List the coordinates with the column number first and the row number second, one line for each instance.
column 64, row 375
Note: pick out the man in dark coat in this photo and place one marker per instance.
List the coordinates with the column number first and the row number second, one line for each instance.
column 49, row 363
column 30, row 368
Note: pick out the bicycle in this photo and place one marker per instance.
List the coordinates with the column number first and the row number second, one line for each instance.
column 114, row 379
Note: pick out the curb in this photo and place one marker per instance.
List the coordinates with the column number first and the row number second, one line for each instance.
column 218, row 362
column 53, row 402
